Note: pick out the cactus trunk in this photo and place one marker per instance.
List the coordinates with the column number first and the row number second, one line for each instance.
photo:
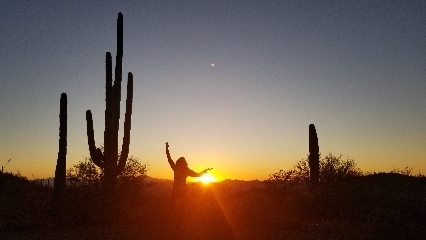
column 60, row 172
column 313, row 156
column 110, row 161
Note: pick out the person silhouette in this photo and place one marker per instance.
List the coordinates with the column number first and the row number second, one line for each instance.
column 181, row 172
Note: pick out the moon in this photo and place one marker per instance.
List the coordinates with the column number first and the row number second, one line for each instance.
column 212, row 64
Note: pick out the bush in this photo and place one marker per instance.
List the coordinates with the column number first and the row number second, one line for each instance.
column 23, row 203
column 87, row 201
column 332, row 169
column 86, row 173
column 134, row 170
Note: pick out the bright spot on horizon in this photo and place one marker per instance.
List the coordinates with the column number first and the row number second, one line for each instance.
column 212, row 64
column 207, row 178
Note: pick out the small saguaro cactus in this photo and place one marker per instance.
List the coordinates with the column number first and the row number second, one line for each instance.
column 313, row 156
column 110, row 161
column 60, row 172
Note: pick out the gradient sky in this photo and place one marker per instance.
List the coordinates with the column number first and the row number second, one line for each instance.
column 356, row 69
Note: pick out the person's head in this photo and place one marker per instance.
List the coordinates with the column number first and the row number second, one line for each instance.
column 181, row 162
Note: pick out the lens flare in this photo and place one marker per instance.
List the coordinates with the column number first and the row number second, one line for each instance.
column 207, row 178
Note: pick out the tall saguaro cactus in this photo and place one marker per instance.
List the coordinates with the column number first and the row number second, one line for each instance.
column 313, row 156
column 109, row 160
column 60, row 180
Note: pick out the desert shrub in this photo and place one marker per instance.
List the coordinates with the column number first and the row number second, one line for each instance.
column 407, row 171
column 86, row 173
column 332, row 169
column 134, row 170
column 88, row 201
column 282, row 180
column 22, row 202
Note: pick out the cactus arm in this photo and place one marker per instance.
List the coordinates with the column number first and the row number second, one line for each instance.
column 127, row 125
column 95, row 153
column 110, row 114
column 119, row 59
column 118, row 65
column 120, row 35
column 108, row 73
column 111, row 142
column 108, row 94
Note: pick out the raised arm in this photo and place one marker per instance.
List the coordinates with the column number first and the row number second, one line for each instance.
column 169, row 159
column 194, row 174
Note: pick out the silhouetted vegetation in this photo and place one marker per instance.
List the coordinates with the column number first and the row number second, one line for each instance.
column 61, row 163
column 110, row 160
column 86, row 173
column 382, row 204
column 366, row 206
column 332, row 169
column 23, row 204
column 313, row 156
column 86, row 198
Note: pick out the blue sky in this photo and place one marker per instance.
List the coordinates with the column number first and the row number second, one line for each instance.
column 354, row 69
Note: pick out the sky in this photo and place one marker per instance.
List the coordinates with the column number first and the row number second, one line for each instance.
column 355, row 69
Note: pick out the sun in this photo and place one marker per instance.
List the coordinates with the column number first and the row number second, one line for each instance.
column 207, row 178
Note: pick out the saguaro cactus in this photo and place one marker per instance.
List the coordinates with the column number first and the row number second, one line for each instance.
column 313, row 156
column 109, row 160
column 60, row 180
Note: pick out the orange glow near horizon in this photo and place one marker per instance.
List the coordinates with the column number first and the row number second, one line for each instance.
column 207, row 178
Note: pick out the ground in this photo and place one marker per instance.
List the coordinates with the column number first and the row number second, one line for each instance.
column 374, row 207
